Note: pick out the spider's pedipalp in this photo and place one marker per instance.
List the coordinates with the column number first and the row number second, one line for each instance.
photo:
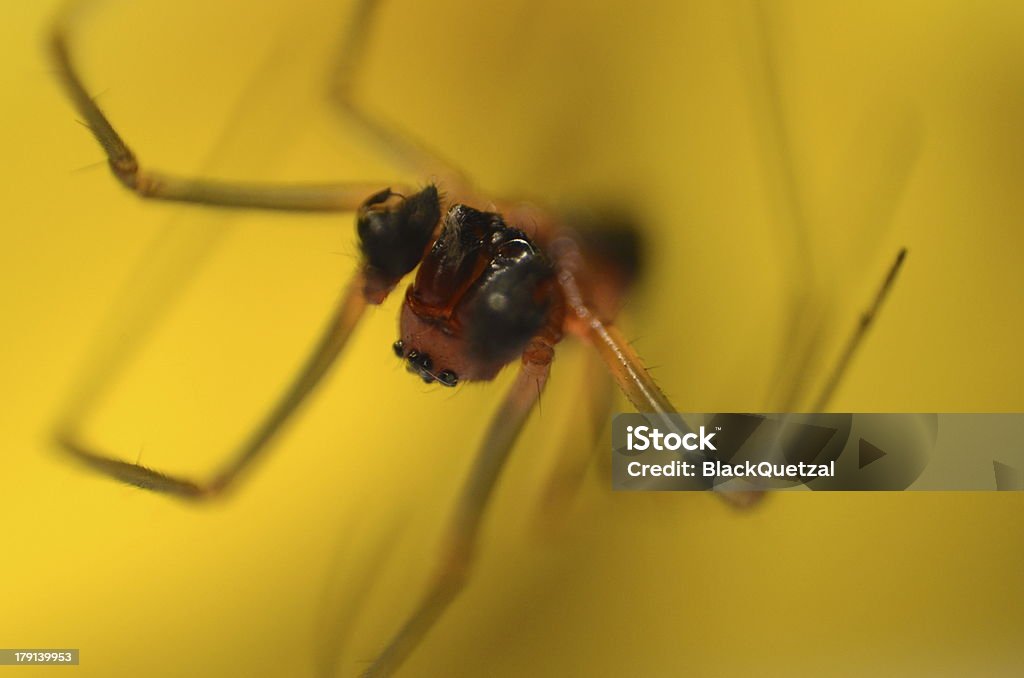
column 394, row 232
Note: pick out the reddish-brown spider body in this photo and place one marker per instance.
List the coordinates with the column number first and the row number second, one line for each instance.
column 482, row 291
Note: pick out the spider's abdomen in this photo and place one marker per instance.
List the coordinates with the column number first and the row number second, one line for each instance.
column 481, row 293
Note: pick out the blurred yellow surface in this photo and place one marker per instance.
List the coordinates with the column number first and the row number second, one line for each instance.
column 727, row 128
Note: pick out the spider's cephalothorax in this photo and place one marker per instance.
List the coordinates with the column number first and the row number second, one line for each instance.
column 483, row 290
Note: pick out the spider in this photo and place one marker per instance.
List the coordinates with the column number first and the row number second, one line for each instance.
column 496, row 282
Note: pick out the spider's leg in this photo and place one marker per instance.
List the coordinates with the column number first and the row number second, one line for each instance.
column 638, row 385
column 574, row 458
column 625, row 365
column 464, row 527
column 894, row 139
column 403, row 148
column 802, row 324
column 746, row 499
column 349, row 310
column 394, row 231
column 859, row 333
column 621, row 359
column 157, row 185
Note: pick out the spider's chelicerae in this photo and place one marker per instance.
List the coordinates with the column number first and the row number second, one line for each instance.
column 497, row 282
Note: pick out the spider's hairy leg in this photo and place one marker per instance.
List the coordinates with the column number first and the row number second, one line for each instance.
column 393, row 233
column 889, row 149
column 744, row 499
column 621, row 359
column 856, row 339
column 574, row 457
column 464, row 527
column 394, row 229
column 403, row 148
column 156, row 185
column 349, row 310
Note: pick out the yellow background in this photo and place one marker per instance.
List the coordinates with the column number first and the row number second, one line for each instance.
column 902, row 124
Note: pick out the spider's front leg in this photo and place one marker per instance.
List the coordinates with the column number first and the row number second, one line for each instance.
column 158, row 185
column 393, row 232
column 627, row 369
column 394, row 229
column 396, row 142
column 464, row 528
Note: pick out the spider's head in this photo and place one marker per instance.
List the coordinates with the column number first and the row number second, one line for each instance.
column 481, row 293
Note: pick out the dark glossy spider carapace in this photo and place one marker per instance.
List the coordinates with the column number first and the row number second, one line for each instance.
column 483, row 290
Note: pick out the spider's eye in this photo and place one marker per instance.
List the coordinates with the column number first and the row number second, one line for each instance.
column 399, row 348
column 448, row 378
